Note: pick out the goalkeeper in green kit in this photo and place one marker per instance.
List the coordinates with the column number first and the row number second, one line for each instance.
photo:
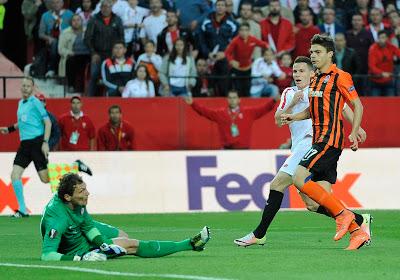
column 69, row 232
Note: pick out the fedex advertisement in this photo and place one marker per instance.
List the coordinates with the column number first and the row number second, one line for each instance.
column 187, row 181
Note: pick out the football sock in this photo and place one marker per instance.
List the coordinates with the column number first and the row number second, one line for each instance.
column 19, row 193
column 155, row 249
column 271, row 208
column 322, row 197
column 359, row 218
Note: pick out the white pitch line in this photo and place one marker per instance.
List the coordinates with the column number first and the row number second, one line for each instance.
column 114, row 273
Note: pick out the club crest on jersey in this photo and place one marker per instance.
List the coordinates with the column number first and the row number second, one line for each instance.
column 52, row 233
column 327, row 79
column 316, row 93
column 82, row 211
column 351, row 88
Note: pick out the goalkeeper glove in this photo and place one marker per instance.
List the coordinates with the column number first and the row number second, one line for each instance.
column 92, row 256
column 112, row 250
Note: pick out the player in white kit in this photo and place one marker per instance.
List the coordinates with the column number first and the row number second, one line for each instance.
column 293, row 100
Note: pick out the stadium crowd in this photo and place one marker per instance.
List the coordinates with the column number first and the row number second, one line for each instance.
column 201, row 48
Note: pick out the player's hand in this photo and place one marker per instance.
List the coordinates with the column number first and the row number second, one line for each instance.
column 3, row 130
column 354, row 142
column 45, row 149
column 361, row 135
column 112, row 250
column 188, row 100
column 286, row 119
column 94, row 256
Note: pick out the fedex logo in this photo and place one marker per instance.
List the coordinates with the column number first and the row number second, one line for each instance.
column 235, row 184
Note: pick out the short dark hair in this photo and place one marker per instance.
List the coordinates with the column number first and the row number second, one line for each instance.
column 233, row 91
column 220, row 1
column 246, row 3
column 325, row 41
column 119, row 42
column 67, row 185
column 304, row 59
column 114, row 107
column 244, row 24
column 357, row 14
column 380, row 32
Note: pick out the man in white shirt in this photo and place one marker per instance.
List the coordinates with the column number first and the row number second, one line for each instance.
column 118, row 7
column 263, row 71
column 154, row 23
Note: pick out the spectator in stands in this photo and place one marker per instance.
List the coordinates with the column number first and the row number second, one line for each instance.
column 117, row 70
column 166, row 39
column 239, row 53
column 265, row 69
column 154, row 23
column 74, row 54
column 346, row 58
column 285, row 12
column 377, row 23
column 246, row 15
column 329, row 25
column 141, row 86
column 285, row 64
column 203, row 86
column 103, row 30
column 178, row 71
column 117, row 134
column 362, row 8
column 381, row 65
column 118, row 7
column 77, row 130
column 216, row 32
column 55, row 133
column 52, row 23
column 360, row 39
column 229, row 9
column 132, row 19
column 85, row 11
column 303, row 5
column 394, row 20
column 235, row 122
column 277, row 31
column 192, row 13
column 152, row 61
column 304, row 32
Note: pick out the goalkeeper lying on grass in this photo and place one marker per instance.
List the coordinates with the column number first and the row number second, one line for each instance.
column 69, row 232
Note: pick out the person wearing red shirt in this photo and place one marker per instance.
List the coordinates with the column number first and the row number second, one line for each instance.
column 77, row 130
column 239, row 53
column 116, row 135
column 235, row 122
column 381, row 65
column 304, row 32
column 277, row 31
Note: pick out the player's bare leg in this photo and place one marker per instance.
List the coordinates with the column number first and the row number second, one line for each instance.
column 343, row 217
column 44, row 175
column 278, row 185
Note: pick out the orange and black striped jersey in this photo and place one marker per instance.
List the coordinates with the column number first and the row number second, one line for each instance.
column 328, row 93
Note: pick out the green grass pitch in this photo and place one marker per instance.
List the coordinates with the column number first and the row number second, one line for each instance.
column 299, row 246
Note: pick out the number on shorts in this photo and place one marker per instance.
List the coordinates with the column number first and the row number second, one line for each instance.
column 309, row 154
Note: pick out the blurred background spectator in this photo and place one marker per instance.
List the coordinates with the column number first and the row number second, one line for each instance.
column 203, row 87
column 346, row 58
column 304, row 31
column 85, row 11
column 154, row 23
column 153, row 63
column 141, row 85
column 329, row 24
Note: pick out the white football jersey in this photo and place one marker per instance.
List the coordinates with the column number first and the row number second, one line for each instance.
column 300, row 129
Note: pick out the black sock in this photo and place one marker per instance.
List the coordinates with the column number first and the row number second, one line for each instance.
column 321, row 210
column 359, row 219
column 270, row 210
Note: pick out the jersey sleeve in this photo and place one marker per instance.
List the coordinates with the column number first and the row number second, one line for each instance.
column 40, row 108
column 286, row 99
column 54, row 228
column 91, row 232
column 346, row 87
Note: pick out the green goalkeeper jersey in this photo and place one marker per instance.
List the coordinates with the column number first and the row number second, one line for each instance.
column 67, row 232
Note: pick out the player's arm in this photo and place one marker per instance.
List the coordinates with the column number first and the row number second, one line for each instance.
column 286, row 105
column 288, row 118
column 349, row 116
column 11, row 128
